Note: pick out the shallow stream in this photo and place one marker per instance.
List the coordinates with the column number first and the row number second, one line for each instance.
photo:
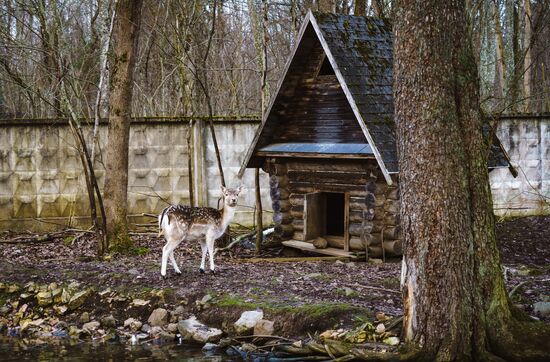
column 22, row 349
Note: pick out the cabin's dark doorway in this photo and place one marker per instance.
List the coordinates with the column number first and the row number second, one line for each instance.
column 334, row 217
column 325, row 216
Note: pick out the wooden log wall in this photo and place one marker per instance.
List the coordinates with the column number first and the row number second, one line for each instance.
column 278, row 187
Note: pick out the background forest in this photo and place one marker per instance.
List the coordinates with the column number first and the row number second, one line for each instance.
column 199, row 52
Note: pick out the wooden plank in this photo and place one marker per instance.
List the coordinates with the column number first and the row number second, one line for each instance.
column 346, row 221
column 305, row 246
column 290, row 259
column 314, row 215
column 315, row 155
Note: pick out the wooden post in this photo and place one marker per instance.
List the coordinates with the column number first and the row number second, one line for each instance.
column 259, row 221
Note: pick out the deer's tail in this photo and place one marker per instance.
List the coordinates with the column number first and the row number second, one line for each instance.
column 161, row 217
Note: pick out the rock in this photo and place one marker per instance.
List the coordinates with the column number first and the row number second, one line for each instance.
column 166, row 336
column 375, row 261
column 320, row 243
column 193, row 330
column 52, row 286
column 65, row 296
column 44, row 299
column 155, row 331
column 133, row 271
column 57, row 295
column 339, row 262
column 210, row 349
column 264, row 327
column 84, row 317
column 104, row 292
column 542, row 308
column 78, row 299
column 61, row 325
column 91, row 326
column 392, row 341
column 140, row 302
column 146, row 328
column 381, row 328
column 4, row 310
column 25, row 296
column 60, row 309
column 248, row 321
column 172, row 327
column 108, row 321
column 313, row 275
column 159, row 317
column 74, row 331
column 133, row 324
column 13, row 288
column 179, row 310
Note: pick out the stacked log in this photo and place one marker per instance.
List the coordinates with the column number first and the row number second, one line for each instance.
column 297, row 212
column 278, row 187
column 392, row 234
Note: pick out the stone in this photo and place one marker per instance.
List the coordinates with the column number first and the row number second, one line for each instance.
column 91, row 326
column 349, row 292
column 57, row 295
column 159, row 317
column 4, row 310
column 74, row 331
column 52, row 286
column 44, row 299
column 78, row 299
column 65, row 296
column 166, row 337
column 133, row 271
column 194, row 331
column 264, row 327
column 60, row 309
column 179, row 310
column 133, row 324
column 104, row 292
column 85, row 317
column 172, row 327
column 108, row 321
column 210, row 348
column 380, row 328
column 542, row 308
column 248, row 321
column 139, row 302
column 392, row 341
column 13, row 288
column 155, row 331
column 145, row 328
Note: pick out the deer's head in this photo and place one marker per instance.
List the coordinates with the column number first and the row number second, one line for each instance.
column 231, row 196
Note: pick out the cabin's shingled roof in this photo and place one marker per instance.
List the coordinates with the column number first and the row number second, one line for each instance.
column 360, row 50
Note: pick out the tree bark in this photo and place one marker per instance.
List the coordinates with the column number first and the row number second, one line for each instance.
column 360, row 7
column 455, row 302
column 500, row 72
column 527, row 33
column 128, row 14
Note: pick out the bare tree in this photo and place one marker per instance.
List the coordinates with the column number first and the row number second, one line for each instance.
column 126, row 31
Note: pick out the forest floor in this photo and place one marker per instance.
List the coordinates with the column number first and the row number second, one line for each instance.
column 309, row 291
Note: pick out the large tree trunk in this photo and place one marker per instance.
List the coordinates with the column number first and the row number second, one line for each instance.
column 455, row 302
column 128, row 14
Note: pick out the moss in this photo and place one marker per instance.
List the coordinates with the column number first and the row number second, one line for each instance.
column 139, row 251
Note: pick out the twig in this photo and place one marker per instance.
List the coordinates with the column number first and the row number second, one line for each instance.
column 516, row 288
column 376, row 288
column 150, row 215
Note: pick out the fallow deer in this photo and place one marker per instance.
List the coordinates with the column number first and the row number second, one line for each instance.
column 204, row 224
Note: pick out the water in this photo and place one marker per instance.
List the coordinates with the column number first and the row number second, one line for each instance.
column 22, row 349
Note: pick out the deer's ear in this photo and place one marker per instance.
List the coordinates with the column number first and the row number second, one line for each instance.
column 224, row 190
column 241, row 189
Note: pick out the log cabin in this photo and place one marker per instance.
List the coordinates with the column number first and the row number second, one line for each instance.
column 327, row 140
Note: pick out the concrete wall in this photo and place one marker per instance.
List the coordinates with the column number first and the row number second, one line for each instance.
column 41, row 177
column 526, row 138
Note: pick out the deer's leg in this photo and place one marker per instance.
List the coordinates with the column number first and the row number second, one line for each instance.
column 210, row 245
column 174, row 264
column 203, row 258
column 165, row 253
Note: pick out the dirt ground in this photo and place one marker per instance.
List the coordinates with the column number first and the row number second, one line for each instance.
column 524, row 244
